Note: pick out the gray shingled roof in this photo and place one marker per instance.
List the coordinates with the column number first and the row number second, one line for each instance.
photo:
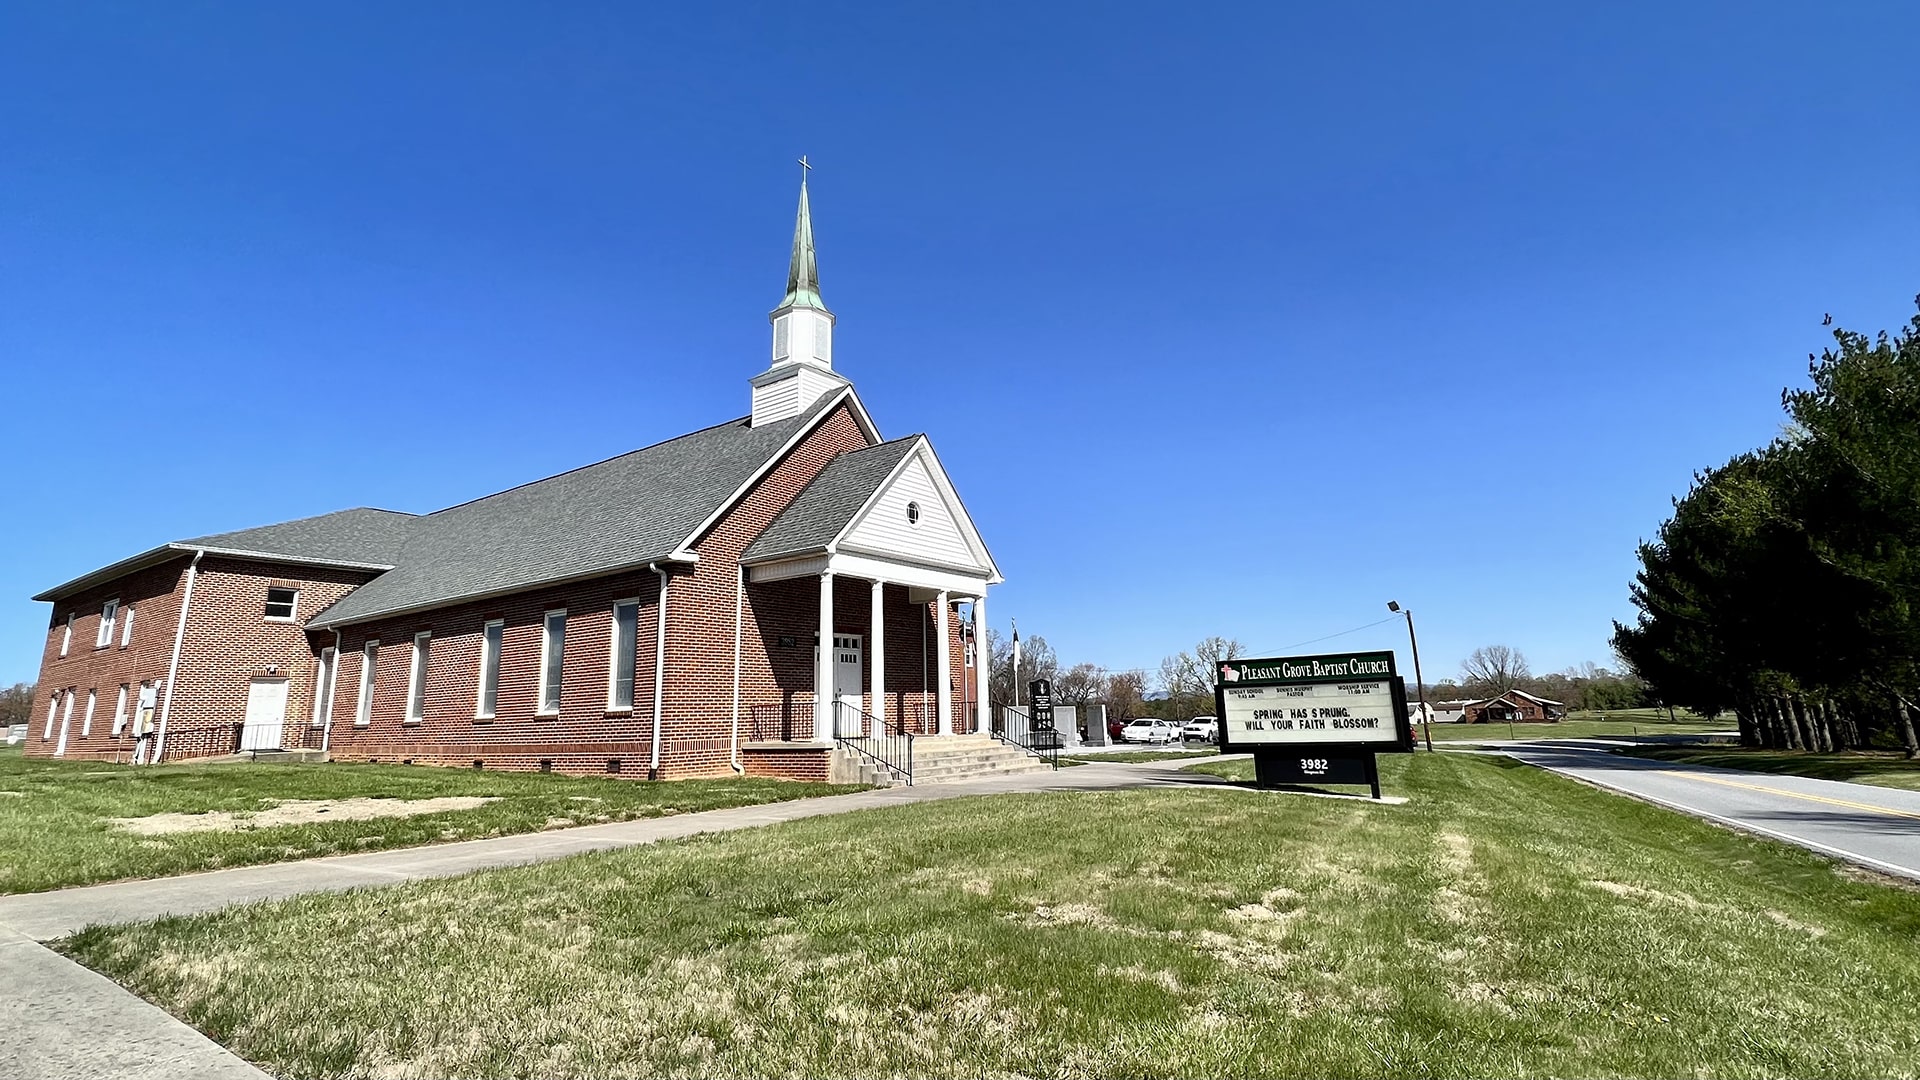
column 625, row 511
column 361, row 537
column 358, row 537
column 827, row 505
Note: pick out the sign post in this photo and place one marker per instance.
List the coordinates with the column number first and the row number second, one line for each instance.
column 1313, row 719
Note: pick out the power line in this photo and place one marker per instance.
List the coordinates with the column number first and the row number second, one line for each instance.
column 1343, row 633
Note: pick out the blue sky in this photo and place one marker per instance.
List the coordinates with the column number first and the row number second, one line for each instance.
column 1224, row 320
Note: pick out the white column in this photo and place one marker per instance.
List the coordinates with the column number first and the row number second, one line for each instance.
column 982, row 722
column 943, row 667
column 877, row 650
column 823, row 666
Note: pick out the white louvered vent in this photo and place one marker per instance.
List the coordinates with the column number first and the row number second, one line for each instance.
column 823, row 338
column 780, row 349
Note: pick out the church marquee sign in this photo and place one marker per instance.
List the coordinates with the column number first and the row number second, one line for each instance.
column 1308, row 718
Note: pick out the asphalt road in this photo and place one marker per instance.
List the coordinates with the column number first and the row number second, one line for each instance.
column 1873, row 826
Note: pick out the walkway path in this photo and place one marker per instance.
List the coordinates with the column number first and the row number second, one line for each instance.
column 59, row 1020
column 1877, row 827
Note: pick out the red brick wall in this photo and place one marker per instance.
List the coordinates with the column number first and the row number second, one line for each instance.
column 584, row 737
column 153, row 596
column 228, row 642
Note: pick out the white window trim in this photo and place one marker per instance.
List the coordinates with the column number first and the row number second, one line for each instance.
column 613, row 652
column 323, row 684
column 109, row 611
column 417, row 677
column 480, row 711
column 363, row 704
column 295, row 617
column 126, row 628
column 120, row 711
column 66, row 636
column 546, row 645
column 66, row 719
column 86, row 724
column 53, row 713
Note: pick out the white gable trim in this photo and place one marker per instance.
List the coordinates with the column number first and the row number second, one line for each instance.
column 685, row 548
column 922, row 452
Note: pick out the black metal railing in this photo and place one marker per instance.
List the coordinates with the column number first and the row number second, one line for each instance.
column 889, row 746
column 1011, row 726
column 781, row 721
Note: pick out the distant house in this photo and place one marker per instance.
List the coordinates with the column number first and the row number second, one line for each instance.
column 1514, row 706
column 1451, row 712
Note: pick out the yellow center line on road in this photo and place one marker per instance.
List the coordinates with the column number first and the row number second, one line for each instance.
column 1869, row 808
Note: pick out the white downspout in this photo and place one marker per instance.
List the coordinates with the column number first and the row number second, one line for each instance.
column 333, row 680
column 173, row 666
column 659, row 673
column 739, row 605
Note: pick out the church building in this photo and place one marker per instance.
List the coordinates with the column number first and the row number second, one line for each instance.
column 784, row 594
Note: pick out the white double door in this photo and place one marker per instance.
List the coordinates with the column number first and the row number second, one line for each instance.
column 849, row 660
column 266, row 715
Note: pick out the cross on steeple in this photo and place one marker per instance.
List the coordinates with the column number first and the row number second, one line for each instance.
column 804, row 170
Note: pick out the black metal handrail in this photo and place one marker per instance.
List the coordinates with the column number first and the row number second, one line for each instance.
column 780, row 721
column 1012, row 727
column 888, row 746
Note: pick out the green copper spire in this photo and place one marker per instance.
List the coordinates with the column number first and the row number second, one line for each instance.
column 803, row 274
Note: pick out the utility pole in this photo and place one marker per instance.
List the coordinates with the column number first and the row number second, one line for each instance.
column 1420, row 682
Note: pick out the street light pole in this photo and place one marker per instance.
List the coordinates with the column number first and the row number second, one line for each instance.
column 1420, row 682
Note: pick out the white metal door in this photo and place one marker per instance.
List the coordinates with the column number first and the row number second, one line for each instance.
column 848, row 666
column 266, row 715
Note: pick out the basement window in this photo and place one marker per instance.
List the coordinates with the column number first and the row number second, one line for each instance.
column 281, row 603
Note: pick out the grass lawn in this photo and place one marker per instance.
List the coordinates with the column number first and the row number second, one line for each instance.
column 1504, row 922
column 1634, row 722
column 1887, row 768
column 1131, row 756
column 55, row 816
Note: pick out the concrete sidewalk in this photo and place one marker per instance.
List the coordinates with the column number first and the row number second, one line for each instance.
column 59, row 1020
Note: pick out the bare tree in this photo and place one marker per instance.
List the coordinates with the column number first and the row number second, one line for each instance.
column 1126, row 694
column 1492, row 670
column 16, row 704
column 1211, row 651
column 1078, row 685
column 1036, row 662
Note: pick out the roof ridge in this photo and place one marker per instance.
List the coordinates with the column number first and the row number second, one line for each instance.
column 589, row 465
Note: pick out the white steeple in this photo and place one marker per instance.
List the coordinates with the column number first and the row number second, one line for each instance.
column 802, row 368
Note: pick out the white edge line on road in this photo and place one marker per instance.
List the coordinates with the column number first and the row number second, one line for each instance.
column 1736, row 824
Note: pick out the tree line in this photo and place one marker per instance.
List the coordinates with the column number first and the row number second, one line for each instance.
column 1785, row 588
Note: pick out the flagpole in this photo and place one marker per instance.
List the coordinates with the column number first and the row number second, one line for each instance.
column 1016, row 663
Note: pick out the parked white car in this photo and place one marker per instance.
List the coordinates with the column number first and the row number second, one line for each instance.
column 1150, row 731
column 1202, row 728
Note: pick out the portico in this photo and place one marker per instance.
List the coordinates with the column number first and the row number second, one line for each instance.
column 886, row 521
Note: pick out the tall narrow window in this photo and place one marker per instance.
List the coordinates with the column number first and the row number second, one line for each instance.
column 66, row 635
column 369, row 660
column 323, row 688
column 120, row 707
column 490, row 637
column 553, row 649
column 86, row 723
column 281, row 603
column 417, row 678
column 104, row 637
column 66, row 715
column 126, row 628
column 626, row 637
column 53, row 710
